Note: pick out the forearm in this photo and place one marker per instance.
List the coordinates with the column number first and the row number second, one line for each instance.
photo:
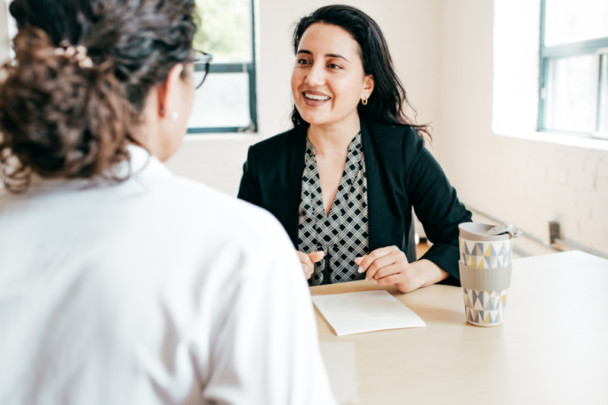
column 389, row 265
column 428, row 272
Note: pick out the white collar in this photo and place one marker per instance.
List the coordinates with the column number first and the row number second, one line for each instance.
column 141, row 161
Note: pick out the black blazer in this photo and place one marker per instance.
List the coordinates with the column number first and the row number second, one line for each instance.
column 401, row 173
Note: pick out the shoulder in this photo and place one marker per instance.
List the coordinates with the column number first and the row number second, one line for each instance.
column 195, row 225
column 271, row 157
column 394, row 135
column 228, row 214
column 396, row 142
column 224, row 229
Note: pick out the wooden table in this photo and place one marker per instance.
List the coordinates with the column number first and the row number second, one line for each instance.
column 551, row 349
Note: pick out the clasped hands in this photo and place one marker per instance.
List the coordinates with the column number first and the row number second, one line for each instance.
column 384, row 266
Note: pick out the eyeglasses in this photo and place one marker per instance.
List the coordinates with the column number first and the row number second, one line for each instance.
column 201, row 62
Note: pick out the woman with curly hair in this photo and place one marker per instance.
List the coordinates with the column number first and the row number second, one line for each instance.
column 119, row 282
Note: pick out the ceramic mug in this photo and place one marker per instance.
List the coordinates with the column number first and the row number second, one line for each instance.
column 477, row 249
column 485, row 294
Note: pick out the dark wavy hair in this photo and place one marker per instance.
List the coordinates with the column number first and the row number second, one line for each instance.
column 58, row 119
column 388, row 103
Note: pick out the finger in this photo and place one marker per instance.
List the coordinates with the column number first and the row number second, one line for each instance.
column 392, row 279
column 376, row 254
column 304, row 259
column 316, row 256
column 306, row 269
column 379, row 264
column 307, row 265
column 389, row 271
column 301, row 256
column 358, row 261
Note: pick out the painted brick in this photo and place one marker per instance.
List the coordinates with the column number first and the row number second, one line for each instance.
column 591, row 164
column 557, row 175
column 566, row 197
column 602, row 167
column 601, row 186
column 596, row 235
column 581, row 181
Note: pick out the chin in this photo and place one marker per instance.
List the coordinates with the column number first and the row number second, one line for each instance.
column 314, row 118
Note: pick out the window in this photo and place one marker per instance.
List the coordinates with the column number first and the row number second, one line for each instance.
column 227, row 100
column 574, row 67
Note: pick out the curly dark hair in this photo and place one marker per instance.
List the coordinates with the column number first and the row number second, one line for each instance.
column 389, row 102
column 59, row 119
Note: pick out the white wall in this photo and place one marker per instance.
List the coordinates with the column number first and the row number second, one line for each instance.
column 527, row 182
column 4, row 40
column 412, row 31
column 443, row 51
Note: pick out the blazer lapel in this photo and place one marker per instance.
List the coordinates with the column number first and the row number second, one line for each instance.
column 298, row 150
column 381, row 225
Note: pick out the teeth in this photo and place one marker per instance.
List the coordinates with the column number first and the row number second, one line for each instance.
column 315, row 97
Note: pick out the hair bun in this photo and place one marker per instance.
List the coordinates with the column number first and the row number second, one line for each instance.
column 83, row 71
column 59, row 117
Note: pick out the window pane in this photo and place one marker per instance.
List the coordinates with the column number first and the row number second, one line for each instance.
column 602, row 113
column 222, row 101
column 226, row 30
column 570, row 98
column 569, row 20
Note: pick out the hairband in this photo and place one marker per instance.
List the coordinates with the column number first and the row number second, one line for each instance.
column 75, row 53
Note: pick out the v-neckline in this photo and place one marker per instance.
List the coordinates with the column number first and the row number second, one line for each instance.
column 343, row 179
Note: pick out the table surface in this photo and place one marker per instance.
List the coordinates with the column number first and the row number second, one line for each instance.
column 551, row 349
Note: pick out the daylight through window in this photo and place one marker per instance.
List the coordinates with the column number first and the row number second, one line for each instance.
column 574, row 67
column 227, row 100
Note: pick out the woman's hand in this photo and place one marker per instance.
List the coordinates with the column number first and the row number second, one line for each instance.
column 389, row 265
column 308, row 261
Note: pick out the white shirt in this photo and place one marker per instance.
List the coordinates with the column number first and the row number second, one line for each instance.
column 158, row 290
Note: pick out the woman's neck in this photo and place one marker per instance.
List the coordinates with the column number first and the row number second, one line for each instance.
column 331, row 139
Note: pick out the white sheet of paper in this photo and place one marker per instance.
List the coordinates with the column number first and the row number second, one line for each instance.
column 366, row 311
column 339, row 359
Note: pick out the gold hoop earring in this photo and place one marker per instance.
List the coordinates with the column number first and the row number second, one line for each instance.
column 364, row 101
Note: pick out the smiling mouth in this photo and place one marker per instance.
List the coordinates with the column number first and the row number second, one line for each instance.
column 315, row 97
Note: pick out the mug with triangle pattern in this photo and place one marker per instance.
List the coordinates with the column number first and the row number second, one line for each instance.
column 483, row 251
column 485, row 272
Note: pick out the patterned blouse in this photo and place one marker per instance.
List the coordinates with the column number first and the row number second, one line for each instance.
column 344, row 234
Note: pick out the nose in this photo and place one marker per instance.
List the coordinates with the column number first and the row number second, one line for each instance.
column 315, row 77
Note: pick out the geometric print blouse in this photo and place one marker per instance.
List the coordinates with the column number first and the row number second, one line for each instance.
column 343, row 234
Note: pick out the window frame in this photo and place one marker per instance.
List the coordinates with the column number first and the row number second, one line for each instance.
column 595, row 46
column 236, row 67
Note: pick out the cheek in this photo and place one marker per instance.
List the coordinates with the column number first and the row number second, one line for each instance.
column 297, row 79
column 347, row 90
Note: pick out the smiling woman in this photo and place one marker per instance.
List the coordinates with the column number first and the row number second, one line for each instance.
column 363, row 39
column 344, row 180
column 327, row 86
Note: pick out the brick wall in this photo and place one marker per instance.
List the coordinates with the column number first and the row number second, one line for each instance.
column 527, row 182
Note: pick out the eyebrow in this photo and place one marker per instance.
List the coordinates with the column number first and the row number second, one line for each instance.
column 329, row 55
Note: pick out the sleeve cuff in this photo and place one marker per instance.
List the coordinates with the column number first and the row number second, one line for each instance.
column 446, row 257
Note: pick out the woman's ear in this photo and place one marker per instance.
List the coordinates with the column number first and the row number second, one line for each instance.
column 169, row 94
column 368, row 86
column 174, row 102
